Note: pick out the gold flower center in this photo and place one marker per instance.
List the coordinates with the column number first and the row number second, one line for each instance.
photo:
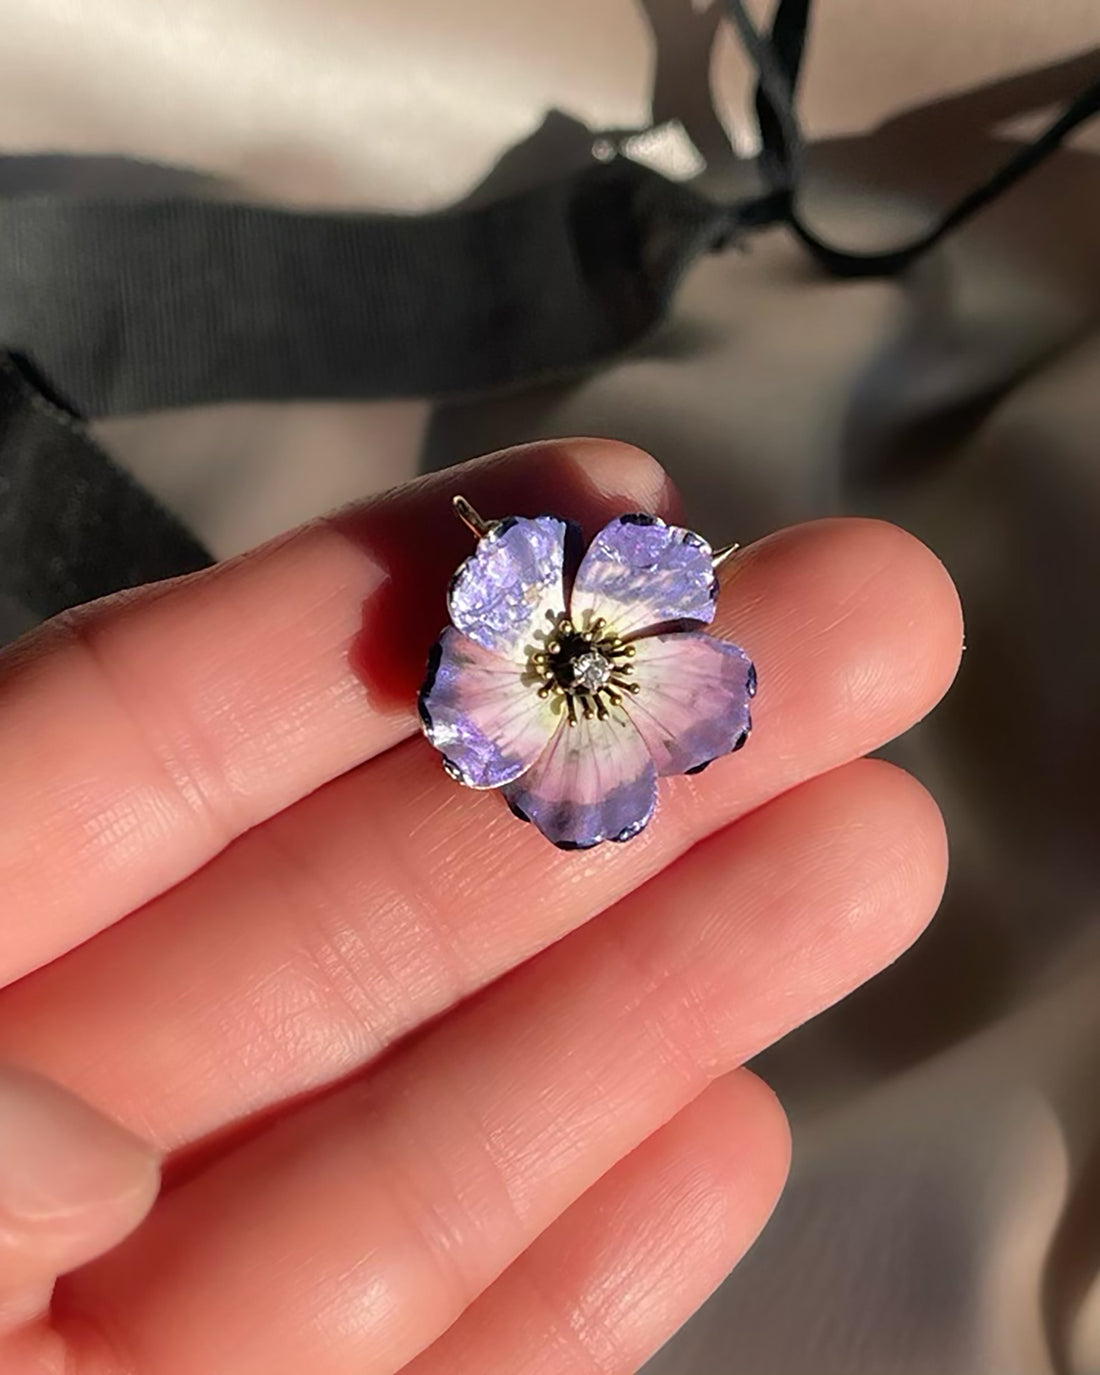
column 587, row 670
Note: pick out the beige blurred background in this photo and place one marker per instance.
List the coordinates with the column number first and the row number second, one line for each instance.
column 944, row 1212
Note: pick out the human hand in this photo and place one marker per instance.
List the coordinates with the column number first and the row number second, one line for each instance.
column 431, row 1095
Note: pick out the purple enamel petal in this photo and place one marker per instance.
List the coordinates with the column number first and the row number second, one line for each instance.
column 477, row 710
column 639, row 573
column 508, row 593
column 693, row 699
column 594, row 782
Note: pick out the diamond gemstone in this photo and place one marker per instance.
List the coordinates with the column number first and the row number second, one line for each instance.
column 591, row 671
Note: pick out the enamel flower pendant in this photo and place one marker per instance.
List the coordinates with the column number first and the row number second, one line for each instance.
column 573, row 683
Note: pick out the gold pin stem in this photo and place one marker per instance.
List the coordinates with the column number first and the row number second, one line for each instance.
column 719, row 556
column 470, row 518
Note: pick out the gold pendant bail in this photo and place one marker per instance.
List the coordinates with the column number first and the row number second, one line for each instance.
column 476, row 524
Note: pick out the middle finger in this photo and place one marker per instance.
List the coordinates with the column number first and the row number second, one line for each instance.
column 354, row 1231
column 322, row 936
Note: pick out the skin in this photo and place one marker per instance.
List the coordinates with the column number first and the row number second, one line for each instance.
column 317, row 1061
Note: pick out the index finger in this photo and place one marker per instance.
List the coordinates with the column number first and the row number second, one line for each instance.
column 142, row 734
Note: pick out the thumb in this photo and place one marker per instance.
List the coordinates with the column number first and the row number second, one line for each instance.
column 72, row 1185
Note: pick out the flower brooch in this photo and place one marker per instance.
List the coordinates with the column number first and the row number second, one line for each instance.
column 572, row 683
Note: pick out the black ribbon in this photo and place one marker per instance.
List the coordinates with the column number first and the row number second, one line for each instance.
column 146, row 304
column 128, row 305
column 778, row 60
column 73, row 525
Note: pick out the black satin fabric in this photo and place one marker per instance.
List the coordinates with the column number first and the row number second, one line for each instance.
column 125, row 305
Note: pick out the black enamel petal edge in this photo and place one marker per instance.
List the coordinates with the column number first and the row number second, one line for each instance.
column 450, row 768
column 739, row 744
column 574, row 549
column 698, row 542
column 637, row 827
column 435, row 657
column 682, row 625
column 743, row 739
column 516, row 810
column 629, row 832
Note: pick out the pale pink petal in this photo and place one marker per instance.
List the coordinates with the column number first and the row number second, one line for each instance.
column 594, row 782
column 693, row 697
column 482, row 713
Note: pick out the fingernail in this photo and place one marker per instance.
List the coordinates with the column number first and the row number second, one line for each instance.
column 59, row 1156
